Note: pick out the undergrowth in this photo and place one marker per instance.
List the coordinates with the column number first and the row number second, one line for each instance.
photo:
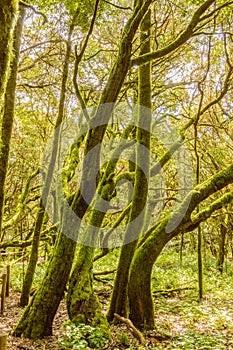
column 182, row 321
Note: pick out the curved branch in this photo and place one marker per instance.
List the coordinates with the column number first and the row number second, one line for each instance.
column 207, row 212
column 118, row 6
column 182, row 38
column 34, row 10
column 213, row 184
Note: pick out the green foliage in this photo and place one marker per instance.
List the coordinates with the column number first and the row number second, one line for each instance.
column 16, row 277
column 195, row 340
column 82, row 337
column 85, row 9
column 18, row 273
column 123, row 338
column 190, row 323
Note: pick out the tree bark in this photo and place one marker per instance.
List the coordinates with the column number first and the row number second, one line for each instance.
column 8, row 11
column 139, row 288
column 221, row 252
column 118, row 303
column 38, row 316
column 82, row 304
column 140, row 298
column 10, row 40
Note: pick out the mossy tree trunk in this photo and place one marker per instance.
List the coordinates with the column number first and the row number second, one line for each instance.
column 37, row 319
column 136, row 218
column 119, row 297
column 38, row 316
column 82, row 304
column 8, row 13
column 28, row 280
column 139, row 287
column 222, row 242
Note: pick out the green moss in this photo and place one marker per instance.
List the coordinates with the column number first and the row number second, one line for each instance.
column 82, row 303
column 8, row 15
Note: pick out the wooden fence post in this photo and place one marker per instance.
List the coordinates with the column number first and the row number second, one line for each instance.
column 7, row 280
column 3, row 292
column 3, row 341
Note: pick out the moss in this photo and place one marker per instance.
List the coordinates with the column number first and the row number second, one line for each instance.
column 8, row 15
column 101, row 321
column 82, row 303
column 71, row 163
column 37, row 321
column 7, row 88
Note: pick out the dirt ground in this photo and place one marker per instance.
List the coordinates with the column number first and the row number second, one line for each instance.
column 12, row 314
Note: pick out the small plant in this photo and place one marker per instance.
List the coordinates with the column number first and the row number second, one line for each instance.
column 123, row 339
column 82, row 337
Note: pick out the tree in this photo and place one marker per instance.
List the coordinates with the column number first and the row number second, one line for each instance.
column 55, row 148
column 149, row 250
column 8, row 16
column 138, row 257
column 37, row 318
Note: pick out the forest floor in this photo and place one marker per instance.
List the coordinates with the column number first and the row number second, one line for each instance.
column 182, row 322
column 10, row 318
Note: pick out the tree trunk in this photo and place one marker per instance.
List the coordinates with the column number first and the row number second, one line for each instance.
column 28, row 280
column 157, row 237
column 8, row 11
column 221, row 252
column 139, row 288
column 136, row 219
column 80, row 296
column 10, row 38
column 38, row 316
column 82, row 304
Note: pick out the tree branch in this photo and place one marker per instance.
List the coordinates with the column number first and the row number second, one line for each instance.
column 206, row 213
column 118, row 6
column 41, row 44
column 174, row 147
column 34, row 10
column 135, row 332
column 182, row 38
